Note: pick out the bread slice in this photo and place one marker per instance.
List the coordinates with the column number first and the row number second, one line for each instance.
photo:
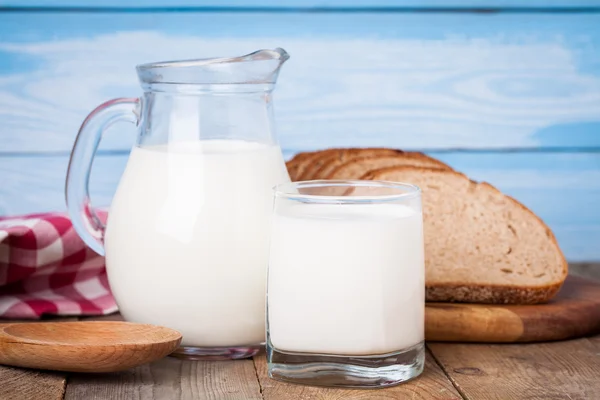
column 328, row 162
column 314, row 170
column 481, row 246
column 357, row 167
column 300, row 161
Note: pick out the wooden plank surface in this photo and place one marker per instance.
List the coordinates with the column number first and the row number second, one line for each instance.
column 425, row 80
column 170, row 378
column 25, row 384
column 432, row 384
column 433, row 81
column 573, row 313
column 585, row 270
column 556, row 370
column 595, row 341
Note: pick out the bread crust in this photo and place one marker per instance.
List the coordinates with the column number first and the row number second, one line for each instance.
column 323, row 171
column 407, row 155
column 293, row 165
column 297, row 165
column 319, row 163
column 308, row 164
column 491, row 294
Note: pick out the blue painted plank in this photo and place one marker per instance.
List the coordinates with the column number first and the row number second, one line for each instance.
column 564, row 190
column 306, row 3
column 363, row 79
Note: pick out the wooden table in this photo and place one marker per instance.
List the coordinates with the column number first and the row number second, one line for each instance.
column 557, row 370
column 545, row 371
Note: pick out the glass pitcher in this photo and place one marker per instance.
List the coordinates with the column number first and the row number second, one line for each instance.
column 186, row 238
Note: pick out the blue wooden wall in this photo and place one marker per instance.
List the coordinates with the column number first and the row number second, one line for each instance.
column 506, row 91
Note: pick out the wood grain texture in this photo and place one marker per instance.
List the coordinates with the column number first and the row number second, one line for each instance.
column 25, row 384
column 92, row 346
column 169, row 379
column 585, row 270
column 574, row 312
column 410, row 80
column 432, row 384
column 544, row 371
column 595, row 341
column 401, row 79
column 454, row 322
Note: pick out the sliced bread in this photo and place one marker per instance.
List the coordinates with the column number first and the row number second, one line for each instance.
column 300, row 161
column 481, row 246
column 357, row 167
column 340, row 155
column 330, row 161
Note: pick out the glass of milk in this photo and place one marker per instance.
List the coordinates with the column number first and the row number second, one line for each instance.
column 346, row 284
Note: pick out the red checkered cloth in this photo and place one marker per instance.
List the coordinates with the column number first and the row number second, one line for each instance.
column 45, row 268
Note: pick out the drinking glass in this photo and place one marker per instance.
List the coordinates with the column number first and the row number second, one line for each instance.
column 346, row 284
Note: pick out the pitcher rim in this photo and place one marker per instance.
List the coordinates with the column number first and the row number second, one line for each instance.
column 215, row 72
column 282, row 56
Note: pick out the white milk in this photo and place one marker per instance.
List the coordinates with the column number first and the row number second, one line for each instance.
column 346, row 279
column 187, row 239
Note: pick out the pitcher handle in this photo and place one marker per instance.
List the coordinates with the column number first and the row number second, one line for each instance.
column 86, row 222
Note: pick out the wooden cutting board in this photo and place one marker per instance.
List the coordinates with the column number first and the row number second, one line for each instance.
column 574, row 312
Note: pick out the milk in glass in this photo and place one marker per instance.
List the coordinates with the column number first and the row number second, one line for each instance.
column 346, row 279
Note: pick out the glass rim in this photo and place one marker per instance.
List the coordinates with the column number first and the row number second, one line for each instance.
column 285, row 190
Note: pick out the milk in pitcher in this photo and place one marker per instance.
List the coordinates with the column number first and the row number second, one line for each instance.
column 188, row 230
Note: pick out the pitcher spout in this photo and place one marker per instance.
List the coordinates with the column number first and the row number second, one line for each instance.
column 278, row 54
column 274, row 59
column 258, row 67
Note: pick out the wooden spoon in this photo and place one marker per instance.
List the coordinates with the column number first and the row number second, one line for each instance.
column 91, row 346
